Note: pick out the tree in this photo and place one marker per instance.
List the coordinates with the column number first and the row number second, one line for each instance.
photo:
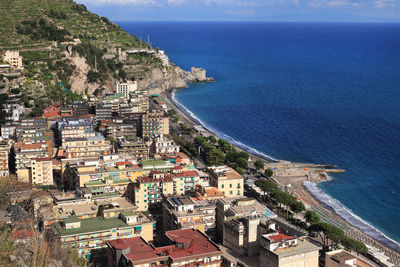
column 297, row 207
column 269, row 172
column 242, row 163
column 312, row 217
column 355, row 245
column 259, row 164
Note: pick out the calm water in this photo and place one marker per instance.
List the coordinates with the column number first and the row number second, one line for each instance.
column 321, row 93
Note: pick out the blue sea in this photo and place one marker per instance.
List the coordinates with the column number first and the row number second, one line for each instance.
column 309, row 92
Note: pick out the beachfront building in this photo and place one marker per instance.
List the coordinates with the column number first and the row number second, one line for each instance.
column 41, row 171
column 154, row 123
column 227, row 180
column 280, row 250
column 13, row 58
column 188, row 212
column 186, row 247
column 126, row 88
column 163, row 144
column 4, row 159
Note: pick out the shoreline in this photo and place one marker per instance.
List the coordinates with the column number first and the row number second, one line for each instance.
column 300, row 189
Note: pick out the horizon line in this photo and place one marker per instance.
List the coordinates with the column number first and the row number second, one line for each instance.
column 262, row 21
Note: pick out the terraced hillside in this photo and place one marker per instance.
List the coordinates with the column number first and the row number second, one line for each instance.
column 67, row 14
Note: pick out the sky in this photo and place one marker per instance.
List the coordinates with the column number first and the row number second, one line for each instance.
column 247, row 10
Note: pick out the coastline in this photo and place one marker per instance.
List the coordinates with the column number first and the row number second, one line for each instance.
column 308, row 197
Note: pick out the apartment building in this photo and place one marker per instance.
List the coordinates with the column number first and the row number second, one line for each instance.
column 117, row 218
column 4, row 159
column 140, row 104
column 186, row 247
column 280, row 250
column 227, row 180
column 163, row 144
column 126, row 88
column 188, row 212
column 133, row 146
column 74, row 127
column 118, row 129
column 82, row 147
column 41, row 171
column 154, row 123
column 147, row 191
column 235, row 207
column 339, row 258
column 24, row 153
column 119, row 176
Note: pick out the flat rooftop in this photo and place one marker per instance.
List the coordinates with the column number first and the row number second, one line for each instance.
column 303, row 246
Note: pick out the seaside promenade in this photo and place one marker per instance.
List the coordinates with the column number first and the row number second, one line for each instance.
column 295, row 176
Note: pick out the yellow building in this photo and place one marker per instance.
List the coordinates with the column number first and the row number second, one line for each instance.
column 149, row 190
column 41, row 171
column 86, row 147
column 119, row 176
column 227, row 180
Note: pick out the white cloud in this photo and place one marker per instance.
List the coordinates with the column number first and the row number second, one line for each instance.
column 334, row 3
column 122, row 2
column 384, row 3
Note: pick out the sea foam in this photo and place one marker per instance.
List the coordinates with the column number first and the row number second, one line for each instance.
column 349, row 216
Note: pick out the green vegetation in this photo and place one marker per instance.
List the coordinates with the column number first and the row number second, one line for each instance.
column 282, row 198
column 269, row 172
column 259, row 164
column 331, row 235
column 42, row 30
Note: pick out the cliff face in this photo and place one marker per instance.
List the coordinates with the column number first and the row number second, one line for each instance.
column 174, row 79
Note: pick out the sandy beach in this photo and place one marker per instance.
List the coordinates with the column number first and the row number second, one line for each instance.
column 296, row 174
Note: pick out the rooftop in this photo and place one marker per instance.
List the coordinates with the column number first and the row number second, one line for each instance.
column 303, row 246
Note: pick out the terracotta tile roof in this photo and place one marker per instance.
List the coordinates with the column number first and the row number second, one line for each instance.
column 279, row 237
column 121, row 163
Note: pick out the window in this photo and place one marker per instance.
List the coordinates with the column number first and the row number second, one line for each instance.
column 222, row 186
column 238, row 192
column 238, row 186
column 230, row 192
column 230, row 186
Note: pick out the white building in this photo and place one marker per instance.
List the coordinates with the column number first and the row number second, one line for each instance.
column 164, row 145
column 13, row 58
column 126, row 88
column 14, row 110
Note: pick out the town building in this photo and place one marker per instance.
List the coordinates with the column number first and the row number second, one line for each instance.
column 118, row 129
column 41, row 171
column 148, row 191
column 116, row 218
column 13, row 58
column 24, row 153
column 280, row 250
column 82, row 147
column 75, row 127
column 4, row 171
column 134, row 147
column 140, row 104
column 189, row 212
column 126, row 88
column 163, row 144
column 227, row 180
column 13, row 110
column 186, row 247
column 339, row 258
column 118, row 176
column 154, row 123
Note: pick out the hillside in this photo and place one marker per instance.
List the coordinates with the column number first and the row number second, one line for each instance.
column 69, row 53
column 73, row 17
